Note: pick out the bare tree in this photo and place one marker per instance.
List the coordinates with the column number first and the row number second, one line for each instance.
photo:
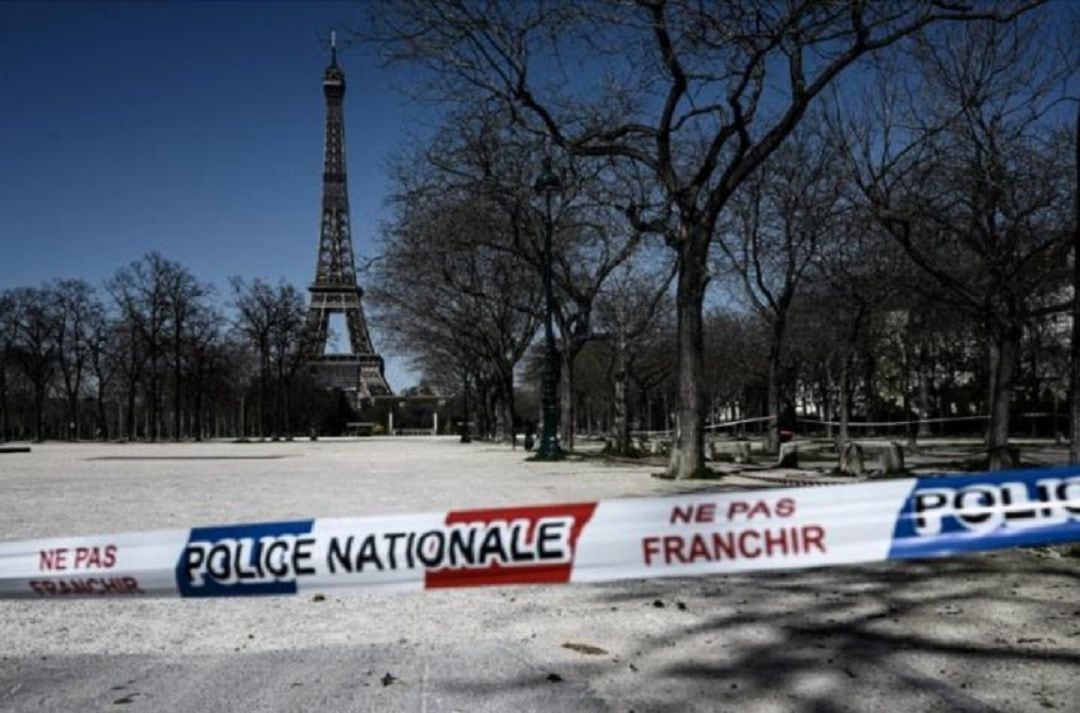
column 694, row 96
column 205, row 350
column 777, row 224
column 857, row 272
column 76, row 306
column 185, row 298
column 130, row 359
column 36, row 346
column 140, row 291
column 631, row 306
column 457, row 311
column 256, row 306
column 289, row 337
column 974, row 193
column 102, row 347
column 482, row 154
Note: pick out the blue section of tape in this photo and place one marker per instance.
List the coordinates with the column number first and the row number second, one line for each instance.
column 970, row 513
column 235, row 548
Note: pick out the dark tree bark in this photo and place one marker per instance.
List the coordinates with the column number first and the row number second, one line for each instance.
column 688, row 447
column 36, row 339
column 1004, row 349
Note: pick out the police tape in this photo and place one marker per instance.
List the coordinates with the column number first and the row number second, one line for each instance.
column 633, row 538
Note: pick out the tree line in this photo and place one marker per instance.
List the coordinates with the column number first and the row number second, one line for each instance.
column 853, row 210
column 150, row 354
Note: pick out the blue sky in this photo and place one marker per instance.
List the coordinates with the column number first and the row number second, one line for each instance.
column 193, row 129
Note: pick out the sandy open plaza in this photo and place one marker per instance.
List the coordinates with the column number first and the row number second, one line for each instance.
column 990, row 632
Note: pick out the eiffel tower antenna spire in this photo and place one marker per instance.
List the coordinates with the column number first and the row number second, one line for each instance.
column 333, row 47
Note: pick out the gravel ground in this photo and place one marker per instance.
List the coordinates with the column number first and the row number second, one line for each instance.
column 992, row 632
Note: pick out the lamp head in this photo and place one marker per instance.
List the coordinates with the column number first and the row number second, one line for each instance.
column 548, row 181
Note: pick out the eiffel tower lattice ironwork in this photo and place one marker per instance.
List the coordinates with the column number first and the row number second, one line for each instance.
column 335, row 291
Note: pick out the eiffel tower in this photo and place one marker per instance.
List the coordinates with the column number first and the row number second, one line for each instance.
column 359, row 373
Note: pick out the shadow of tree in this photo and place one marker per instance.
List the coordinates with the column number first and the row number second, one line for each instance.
column 991, row 632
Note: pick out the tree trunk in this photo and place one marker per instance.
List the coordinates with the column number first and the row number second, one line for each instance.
column 279, row 406
column 845, row 374
column 1003, row 350
column 622, row 425
column 568, row 355
column 176, row 386
column 667, row 411
column 71, row 428
column 775, row 350
column 39, row 412
column 508, row 410
column 129, row 417
column 826, row 400
column 197, row 420
column 924, row 398
column 845, row 398
column 285, row 426
column 481, row 410
column 870, row 390
column 155, row 402
column 502, row 406
column 688, row 445
column 648, row 410
column 264, row 387
column 102, row 417
column 466, row 427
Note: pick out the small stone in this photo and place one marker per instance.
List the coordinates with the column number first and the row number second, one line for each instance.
column 554, row 678
column 389, row 678
column 318, row 598
column 658, row 604
column 681, row 606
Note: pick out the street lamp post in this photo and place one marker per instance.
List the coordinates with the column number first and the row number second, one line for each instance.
column 466, row 436
column 548, row 184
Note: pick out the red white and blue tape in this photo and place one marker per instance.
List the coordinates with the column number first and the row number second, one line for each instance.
column 634, row 538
